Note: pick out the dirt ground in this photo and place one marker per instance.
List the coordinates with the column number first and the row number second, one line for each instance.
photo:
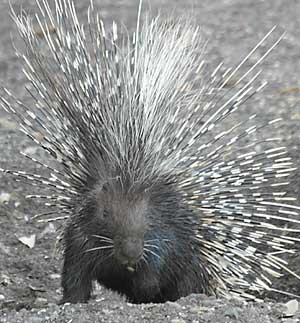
column 30, row 277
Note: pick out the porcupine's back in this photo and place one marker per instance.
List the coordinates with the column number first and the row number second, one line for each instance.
column 141, row 110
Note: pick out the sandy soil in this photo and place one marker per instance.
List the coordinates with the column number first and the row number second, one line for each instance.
column 30, row 277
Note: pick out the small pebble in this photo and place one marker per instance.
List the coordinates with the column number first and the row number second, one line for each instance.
column 40, row 301
column 55, row 276
column 178, row 321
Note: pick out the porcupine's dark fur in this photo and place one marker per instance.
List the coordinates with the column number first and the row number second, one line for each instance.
column 158, row 202
column 170, row 270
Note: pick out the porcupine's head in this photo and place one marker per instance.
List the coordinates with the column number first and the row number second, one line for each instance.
column 116, row 220
column 120, row 219
column 131, row 227
column 140, row 131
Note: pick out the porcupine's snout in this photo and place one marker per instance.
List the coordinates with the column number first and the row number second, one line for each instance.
column 129, row 250
column 128, row 225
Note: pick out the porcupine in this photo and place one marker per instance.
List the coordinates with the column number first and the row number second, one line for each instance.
column 156, row 204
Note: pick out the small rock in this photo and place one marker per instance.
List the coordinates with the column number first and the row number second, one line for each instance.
column 28, row 241
column 5, row 280
column 292, row 307
column 54, row 276
column 30, row 150
column 4, row 197
column 43, row 310
column 7, row 124
column 40, row 301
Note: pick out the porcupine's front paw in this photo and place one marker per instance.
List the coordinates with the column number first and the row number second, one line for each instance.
column 75, row 290
column 76, row 280
column 75, row 297
column 145, row 288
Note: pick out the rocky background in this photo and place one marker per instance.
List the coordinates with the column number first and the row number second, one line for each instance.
column 30, row 270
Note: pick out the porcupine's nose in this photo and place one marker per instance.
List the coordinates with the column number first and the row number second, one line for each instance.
column 130, row 251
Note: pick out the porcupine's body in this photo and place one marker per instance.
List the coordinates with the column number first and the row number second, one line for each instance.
column 158, row 201
column 170, row 269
